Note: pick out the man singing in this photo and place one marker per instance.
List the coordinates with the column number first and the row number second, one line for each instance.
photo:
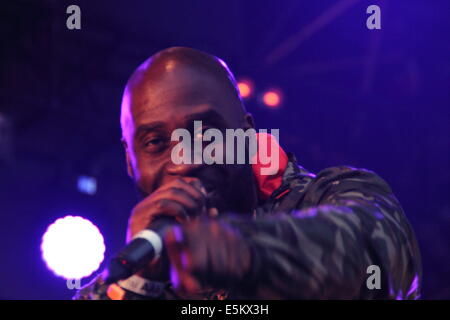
column 239, row 234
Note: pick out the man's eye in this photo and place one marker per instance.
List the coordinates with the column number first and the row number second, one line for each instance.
column 153, row 142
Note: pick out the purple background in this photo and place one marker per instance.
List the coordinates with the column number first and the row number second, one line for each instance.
column 374, row 99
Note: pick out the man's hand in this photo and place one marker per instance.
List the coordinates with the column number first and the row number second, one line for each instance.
column 205, row 254
column 181, row 199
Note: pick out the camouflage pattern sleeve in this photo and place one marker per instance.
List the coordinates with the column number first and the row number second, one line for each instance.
column 345, row 220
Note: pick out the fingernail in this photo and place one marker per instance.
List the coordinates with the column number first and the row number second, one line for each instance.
column 213, row 212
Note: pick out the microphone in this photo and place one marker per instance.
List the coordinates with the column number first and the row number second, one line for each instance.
column 145, row 247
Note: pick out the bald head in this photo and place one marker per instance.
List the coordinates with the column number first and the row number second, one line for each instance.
column 182, row 77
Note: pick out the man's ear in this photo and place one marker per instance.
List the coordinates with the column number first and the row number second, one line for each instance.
column 127, row 158
column 249, row 122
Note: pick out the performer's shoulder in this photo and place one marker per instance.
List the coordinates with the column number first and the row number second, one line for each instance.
column 345, row 176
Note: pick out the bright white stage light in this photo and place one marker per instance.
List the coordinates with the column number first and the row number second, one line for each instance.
column 73, row 247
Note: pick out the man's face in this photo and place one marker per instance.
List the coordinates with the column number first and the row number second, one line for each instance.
column 159, row 104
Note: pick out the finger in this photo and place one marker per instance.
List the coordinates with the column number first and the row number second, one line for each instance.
column 217, row 253
column 194, row 189
column 197, row 184
column 182, row 280
column 174, row 241
column 193, row 186
column 213, row 212
column 173, row 202
column 194, row 243
column 192, row 205
column 163, row 207
column 189, row 284
column 171, row 208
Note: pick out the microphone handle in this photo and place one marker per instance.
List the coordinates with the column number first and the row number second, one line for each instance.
column 145, row 247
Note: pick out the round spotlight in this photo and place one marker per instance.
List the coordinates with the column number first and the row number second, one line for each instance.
column 272, row 98
column 73, row 247
column 245, row 87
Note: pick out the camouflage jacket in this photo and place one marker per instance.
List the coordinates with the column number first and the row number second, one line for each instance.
column 323, row 236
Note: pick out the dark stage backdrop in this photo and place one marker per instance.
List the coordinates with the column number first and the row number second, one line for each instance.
column 377, row 99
